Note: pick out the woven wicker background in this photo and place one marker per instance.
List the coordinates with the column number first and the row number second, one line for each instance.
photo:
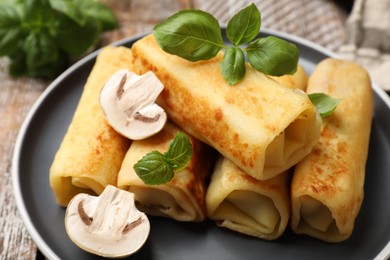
column 320, row 21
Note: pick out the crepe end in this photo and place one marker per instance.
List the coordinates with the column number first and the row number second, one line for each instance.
column 91, row 152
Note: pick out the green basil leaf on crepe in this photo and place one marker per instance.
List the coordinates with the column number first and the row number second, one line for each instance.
column 191, row 34
column 324, row 103
column 179, row 152
column 153, row 169
column 244, row 26
column 156, row 168
column 273, row 56
column 233, row 65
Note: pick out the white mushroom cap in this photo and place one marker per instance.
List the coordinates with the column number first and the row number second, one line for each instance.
column 109, row 225
column 128, row 102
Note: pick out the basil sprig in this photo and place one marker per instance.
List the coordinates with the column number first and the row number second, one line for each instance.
column 156, row 168
column 324, row 103
column 196, row 35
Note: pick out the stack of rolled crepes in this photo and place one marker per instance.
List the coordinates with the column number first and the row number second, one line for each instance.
column 327, row 186
column 259, row 127
column 91, row 152
column 182, row 198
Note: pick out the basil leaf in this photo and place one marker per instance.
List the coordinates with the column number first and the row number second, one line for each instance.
column 18, row 65
column 100, row 13
column 49, row 70
column 244, row 26
column 69, row 8
column 32, row 6
column 37, row 14
column 40, row 48
column 29, row 4
column 153, row 169
column 75, row 39
column 10, row 29
column 233, row 65
column 324, row 103
column 156, row 168
column 191, row 34
column 179, row 152
column 9, row 40
column 273, row 56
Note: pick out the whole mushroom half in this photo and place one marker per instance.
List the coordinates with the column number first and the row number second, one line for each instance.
column 128, row 102
column 109, row 225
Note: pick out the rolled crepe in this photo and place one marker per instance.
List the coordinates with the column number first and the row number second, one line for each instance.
column 327, row 186
column 260, row 125
column 91, row 152
column 237, row 201
column 183, row 198
column 297, row 80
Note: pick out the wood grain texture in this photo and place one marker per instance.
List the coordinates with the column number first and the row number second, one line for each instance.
column 17, row 96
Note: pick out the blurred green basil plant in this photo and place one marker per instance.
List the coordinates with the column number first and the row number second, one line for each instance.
column 41, row 36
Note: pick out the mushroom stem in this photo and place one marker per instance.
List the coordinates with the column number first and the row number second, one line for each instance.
column 112, row 214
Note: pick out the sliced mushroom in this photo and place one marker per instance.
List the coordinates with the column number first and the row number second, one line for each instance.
column 128, row 102
column 109, row 225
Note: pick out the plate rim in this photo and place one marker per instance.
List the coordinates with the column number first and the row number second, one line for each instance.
column 15, row 180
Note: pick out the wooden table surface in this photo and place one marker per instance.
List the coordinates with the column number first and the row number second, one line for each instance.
column 303, row 18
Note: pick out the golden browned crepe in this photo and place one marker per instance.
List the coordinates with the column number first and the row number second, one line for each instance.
column 91, row 152
column 183, row 198
column 297, row 80
column 327, row 186
column 237, row 201
column 260, row 125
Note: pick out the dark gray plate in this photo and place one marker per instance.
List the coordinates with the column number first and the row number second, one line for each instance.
column 45, row 126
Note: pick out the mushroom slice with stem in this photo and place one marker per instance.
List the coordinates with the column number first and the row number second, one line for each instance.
column 128, row 102
column 109, row 225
